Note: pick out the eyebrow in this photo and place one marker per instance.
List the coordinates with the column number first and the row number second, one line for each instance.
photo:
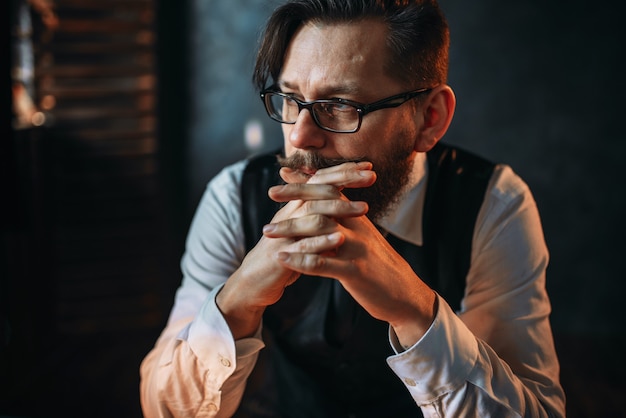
column 331, row 90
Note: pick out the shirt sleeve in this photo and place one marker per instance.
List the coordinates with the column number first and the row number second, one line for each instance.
column 496, row 356
column 196, row 368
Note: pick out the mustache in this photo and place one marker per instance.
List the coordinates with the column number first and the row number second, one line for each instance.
column 313, row 160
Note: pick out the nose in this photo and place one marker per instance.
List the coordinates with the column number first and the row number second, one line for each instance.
column 305, row 134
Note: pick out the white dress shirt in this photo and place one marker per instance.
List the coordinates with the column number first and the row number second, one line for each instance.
column 494, row 358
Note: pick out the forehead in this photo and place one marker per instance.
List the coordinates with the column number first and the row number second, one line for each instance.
column 337, row 58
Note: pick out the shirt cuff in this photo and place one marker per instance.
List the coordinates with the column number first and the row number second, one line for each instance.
column 211, row 340
column 440, row 361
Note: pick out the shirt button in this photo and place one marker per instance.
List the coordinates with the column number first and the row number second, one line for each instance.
column 225, row 362
column 409, row 381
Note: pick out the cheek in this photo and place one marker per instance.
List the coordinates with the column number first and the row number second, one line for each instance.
column 377, row 139
column 389, row 137
column 289, row 149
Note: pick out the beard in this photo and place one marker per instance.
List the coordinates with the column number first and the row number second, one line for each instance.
column 392, row 174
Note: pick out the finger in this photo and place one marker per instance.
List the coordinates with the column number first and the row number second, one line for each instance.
column 298, row 175
column 298, row 191
column 293, row 176
column 306, row 226
column 315, row 221
column 326, row 243
column 310, row 264
column 351, row 175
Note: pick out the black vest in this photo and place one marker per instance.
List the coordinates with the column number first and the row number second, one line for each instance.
column 325, row 356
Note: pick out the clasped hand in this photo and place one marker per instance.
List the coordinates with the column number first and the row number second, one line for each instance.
column 320, row 232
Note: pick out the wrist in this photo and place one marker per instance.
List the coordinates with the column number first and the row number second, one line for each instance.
column 242, row 320
column 411, row 330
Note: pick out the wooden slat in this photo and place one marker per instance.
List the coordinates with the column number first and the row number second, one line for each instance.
column 119, row 126
column 102, row 25
column 84, row 148
column 65, row 6
column 100, row 113
column 98, row 71
column 107, row 47
column 110, row 135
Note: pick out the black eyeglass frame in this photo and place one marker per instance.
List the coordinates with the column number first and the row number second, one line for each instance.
column 361, row 108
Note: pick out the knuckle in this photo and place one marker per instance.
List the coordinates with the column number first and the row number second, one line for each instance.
column 329, row 191
column 334, row 191
column 320, row 221
column 349, row 169
column 340, row 205
column 308, row 206
column 313, row 262
column 287, row 224
column 302, row 246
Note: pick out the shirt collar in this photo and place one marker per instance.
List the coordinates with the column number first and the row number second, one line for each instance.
column 405, row 219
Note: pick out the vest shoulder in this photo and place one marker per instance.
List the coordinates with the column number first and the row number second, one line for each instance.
column 459, row 160
column 262, row 162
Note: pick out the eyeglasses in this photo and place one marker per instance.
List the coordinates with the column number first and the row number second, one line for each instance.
column 334, row 115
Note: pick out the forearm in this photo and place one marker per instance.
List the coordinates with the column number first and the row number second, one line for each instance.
column 243, row 320
column 173, row 384
column 196, row 366
column 493, row 390
column 452, row 373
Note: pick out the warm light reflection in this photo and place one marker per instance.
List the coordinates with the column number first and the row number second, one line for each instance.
column 253, row 135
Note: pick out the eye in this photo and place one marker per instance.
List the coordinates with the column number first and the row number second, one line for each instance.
column 334, row 109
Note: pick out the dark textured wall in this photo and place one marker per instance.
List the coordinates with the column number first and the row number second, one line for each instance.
column 539, row 86
column 225, row 108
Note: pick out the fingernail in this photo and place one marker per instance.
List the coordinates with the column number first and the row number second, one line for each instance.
column 334, row 237
column 269, row 228
column 358, row 206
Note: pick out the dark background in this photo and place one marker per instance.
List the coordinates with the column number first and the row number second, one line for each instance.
column 540, row 86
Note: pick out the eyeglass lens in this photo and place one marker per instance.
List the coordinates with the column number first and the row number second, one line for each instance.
column 330, row 115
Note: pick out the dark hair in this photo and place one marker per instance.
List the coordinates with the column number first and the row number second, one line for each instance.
column 418, row 38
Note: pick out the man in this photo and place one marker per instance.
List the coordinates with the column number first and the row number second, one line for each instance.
column 329, row 313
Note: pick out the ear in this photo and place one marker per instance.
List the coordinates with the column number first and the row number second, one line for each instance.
column 436, row 113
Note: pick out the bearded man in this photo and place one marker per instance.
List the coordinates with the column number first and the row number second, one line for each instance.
column 387, row 274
